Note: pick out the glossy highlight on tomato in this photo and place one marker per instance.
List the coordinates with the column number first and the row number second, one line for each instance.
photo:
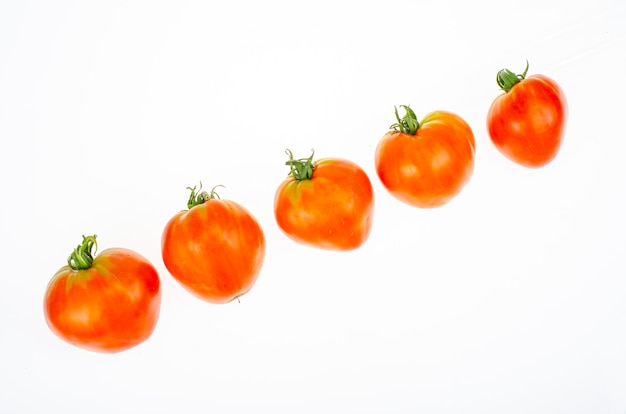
column 215, row 249
column 108, row 303
column 426, row 164
column 327, row 203
column 527, row 122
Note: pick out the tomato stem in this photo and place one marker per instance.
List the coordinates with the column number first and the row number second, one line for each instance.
column 82, row 256
column 507, row 79
column 301, row 169
column 408, row 124
column 199, row 197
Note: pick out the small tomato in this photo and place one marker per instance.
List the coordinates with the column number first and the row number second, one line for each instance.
column 327, row 204
column 426, row 164
column 527, row 122
column 215, row 249
column 107, row 303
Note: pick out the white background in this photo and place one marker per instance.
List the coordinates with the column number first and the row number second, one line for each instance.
column 510, row 299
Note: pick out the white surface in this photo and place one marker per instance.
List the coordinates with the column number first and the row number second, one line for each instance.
column 510, row 299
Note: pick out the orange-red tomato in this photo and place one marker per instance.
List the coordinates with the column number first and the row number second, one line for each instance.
column 215, row 249
column 426, row 164
column 108, row 303
column 327, row 204
column 527, row 122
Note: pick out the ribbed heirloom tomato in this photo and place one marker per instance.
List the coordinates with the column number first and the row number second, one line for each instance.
column 107, row 303
column 426, row 164
column 527, row 122
column 215, row 249
column 328, row 203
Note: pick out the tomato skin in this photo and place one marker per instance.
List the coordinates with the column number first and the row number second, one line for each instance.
column 432, row 166
column 215, row 250
column 527, row 124
column 333, row 210
column 110, row 307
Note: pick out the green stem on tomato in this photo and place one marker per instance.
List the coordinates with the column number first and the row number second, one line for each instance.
column 408, row 124
column 301, row 169
column 82, row 256
column 507, row 79
column 199, row 197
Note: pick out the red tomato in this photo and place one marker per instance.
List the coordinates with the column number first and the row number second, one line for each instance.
column 215, row 249
column 426, row 164
column 327, row 204
column 108, row 303
column 527, row 122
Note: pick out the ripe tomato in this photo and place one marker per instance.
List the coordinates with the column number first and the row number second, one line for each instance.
column 215, row 249
column 327, row 204
column 426, row 164
column 108, row 303
column 527, row 122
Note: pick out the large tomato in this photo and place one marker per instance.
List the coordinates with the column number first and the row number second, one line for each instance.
column 328, row 203
column 426, row 164
column 527, row 122
column 107, row 303
column 215, row 249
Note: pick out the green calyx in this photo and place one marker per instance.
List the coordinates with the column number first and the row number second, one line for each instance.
column 301, row 169
column 507, row 79
column 82, row 256
column 199, row 197
column 408, row 124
